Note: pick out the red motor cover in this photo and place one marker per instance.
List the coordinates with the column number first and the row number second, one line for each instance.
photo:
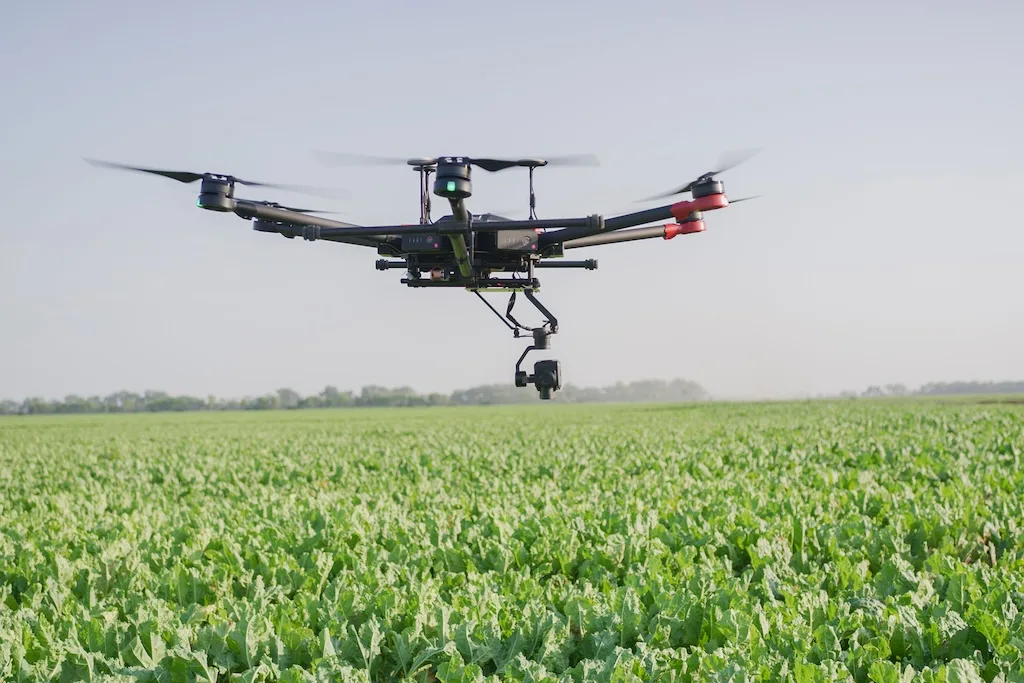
column 673, row 229
column 709, row 203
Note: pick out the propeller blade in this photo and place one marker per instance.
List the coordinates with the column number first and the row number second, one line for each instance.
column 726, row 161
column 180, row 176
column 346, row 159
column 574, row 160
column 325, row 192
column 191, row 177
column 492, row 164
column 291, row 208
column 495, row 165
column 733, row 158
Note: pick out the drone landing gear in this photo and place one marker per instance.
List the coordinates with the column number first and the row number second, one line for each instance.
column 547, row 374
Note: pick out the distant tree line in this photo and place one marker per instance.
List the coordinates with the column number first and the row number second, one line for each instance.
column 644, row 391
column 939, row 389
column 947, row 388
column 370, row 396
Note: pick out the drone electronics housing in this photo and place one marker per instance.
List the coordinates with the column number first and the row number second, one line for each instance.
column 478, row 252
column 517, row 240
column 425, row 243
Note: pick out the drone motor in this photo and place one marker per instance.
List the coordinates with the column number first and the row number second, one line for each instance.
column 216, row 194
column 706, row 188
column 452, row 180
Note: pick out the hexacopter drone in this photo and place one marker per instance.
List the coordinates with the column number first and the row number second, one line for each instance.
column 470, row 250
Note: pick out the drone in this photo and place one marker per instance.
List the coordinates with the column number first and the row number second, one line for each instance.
column 478, row 252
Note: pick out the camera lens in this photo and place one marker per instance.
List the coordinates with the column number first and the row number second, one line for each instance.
column 546, row 377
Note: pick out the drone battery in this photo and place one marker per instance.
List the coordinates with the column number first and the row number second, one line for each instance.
column 422, row 243
column 517, row 240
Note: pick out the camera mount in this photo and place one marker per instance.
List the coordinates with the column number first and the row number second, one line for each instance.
column 547, row 374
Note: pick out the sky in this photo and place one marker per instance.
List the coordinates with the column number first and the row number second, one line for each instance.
column 887, row 245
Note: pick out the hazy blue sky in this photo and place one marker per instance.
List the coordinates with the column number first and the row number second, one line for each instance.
column 888, row 246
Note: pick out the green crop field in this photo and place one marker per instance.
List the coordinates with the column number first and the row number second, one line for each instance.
column 858, row 541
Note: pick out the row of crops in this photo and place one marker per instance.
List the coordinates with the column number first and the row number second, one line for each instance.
column 858, row 541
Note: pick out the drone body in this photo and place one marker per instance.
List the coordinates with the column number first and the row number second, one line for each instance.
column 478, row 252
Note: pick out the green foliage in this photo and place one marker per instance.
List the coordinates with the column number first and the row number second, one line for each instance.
column 868, row 542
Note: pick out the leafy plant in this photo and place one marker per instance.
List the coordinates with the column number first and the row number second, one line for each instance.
column 803, row 542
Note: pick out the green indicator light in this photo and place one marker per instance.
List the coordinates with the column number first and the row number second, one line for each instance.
column 451, row 186
column 199, row 202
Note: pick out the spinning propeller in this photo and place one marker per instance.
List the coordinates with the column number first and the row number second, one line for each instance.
column 191, row 177
column 491, row 164
column 727, row 161
column 291, row 208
